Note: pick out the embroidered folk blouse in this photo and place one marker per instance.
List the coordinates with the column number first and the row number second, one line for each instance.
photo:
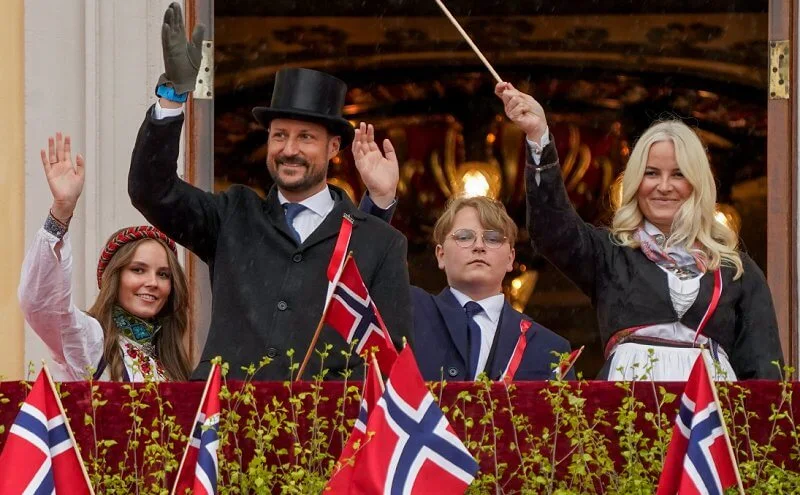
column 74, row 338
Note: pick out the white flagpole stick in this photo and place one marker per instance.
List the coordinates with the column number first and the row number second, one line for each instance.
column 374, row 363
column 66, row 423
column 468, row 40
column 739, row 485
column 191, row 433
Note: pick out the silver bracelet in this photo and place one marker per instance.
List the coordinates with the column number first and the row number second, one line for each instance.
column 537, row 175
column 545, row 167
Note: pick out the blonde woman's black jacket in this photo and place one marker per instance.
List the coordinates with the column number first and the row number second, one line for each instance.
column 268, row 292
column 628, row 290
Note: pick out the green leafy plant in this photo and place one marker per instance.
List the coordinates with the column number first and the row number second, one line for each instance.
column 283, row 443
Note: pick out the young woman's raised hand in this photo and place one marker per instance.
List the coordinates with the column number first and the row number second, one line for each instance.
column 64, row 178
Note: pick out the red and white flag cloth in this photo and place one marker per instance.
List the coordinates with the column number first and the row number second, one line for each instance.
column 40, row 454
column 199, row 466
column 565, row 365
column 342, row 474
column 413, row 450
column 339, row 255
column 351, row 312
column 699, row 458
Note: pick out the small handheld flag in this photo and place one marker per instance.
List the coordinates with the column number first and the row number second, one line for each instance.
column 199, row 466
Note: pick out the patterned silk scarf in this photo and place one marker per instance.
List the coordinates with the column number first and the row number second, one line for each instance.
column 141, row 331
column 683, row 264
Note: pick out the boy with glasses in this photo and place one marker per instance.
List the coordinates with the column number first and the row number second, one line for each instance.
column 469, row 327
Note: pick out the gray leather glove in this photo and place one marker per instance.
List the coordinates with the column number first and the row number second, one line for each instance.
column 181, row 57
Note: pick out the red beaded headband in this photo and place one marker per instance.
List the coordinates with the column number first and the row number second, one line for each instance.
column 124, row 236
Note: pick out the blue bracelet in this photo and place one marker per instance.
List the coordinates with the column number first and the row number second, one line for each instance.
column 165, row 91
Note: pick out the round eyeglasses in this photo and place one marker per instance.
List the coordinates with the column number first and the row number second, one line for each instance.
column 466, row 238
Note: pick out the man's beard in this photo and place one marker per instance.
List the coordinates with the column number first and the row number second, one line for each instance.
column 307, row 181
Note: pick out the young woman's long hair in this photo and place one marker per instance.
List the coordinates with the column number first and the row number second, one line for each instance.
column 694, row 226
column 174, row 317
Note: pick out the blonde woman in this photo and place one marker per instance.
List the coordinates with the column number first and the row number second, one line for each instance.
column 139, row 325
column 666, row 278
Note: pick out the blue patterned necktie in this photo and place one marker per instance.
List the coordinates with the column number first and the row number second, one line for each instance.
column 474, row 337
column 292, row 210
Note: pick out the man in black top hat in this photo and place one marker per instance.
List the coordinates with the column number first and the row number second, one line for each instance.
column 267, row 257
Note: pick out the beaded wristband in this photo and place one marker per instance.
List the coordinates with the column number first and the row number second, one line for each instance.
column 55, row 226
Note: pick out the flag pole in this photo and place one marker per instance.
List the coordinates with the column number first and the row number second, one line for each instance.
column 374, row 362
column 191, row 433
column 468, row 40
column 321, row 323
column 724, row 427
column 66, row 424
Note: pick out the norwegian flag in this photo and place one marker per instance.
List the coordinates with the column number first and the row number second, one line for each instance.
column 199, row 467
column 40, row 455
column 351, row 312
column 343, row 471
column 565, row 365
column 414, row 450
column 699, row 457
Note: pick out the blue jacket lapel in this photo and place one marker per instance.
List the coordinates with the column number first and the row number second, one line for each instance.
column 455, row 319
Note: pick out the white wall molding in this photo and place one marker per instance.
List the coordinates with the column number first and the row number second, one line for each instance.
column 90, row 71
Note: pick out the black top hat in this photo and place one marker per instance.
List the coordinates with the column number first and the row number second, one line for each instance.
column 305, row 94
